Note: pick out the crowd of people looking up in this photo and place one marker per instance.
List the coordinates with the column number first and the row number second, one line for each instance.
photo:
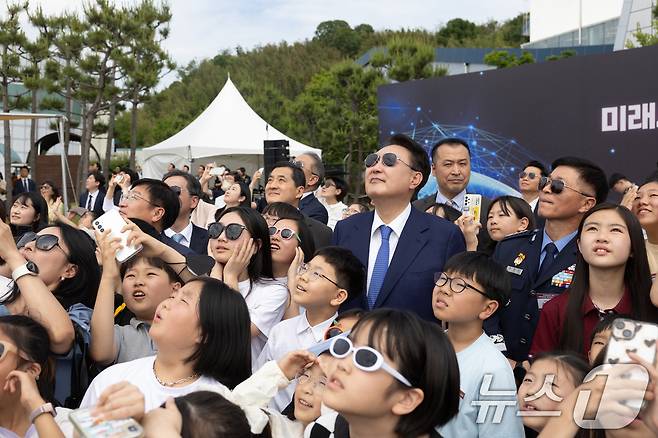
column 279, row 305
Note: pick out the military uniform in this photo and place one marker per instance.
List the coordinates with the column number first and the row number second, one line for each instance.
column 520, row 255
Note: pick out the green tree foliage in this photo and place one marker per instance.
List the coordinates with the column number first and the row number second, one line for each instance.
column 503, row 59
column 645, row 39
column 458, row 30
column 12, row 43
column 405, row 59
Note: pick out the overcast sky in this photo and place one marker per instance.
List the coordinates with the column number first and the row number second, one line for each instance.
column 202, row 28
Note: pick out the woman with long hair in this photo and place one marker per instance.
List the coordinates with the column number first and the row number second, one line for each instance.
column 29, row 212
column 50, row 193
column 203, row 339
column 240, row 244
column 611, row 276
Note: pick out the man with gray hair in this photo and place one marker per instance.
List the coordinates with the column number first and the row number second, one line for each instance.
column 313, row 169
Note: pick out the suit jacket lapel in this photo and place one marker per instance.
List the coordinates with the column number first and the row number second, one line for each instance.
column 409, row 246
column 559, row 262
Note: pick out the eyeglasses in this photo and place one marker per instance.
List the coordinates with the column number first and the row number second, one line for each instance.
column 389, row 159
column 232, row 231
column 285, row 233
column 131, row 196
column 350, row 212
column 304, row 377
column 530, row 175
column 305, row 268
column 365, row 358
column 557, row 186
column 6, row 347
column 300, row 164
column 44, row 242
column 457, row 285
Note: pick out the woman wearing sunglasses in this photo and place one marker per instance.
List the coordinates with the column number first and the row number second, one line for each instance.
column 240, row 244
column 24, row 380
column 29, row 212
column 36, row 276
column 378, row 379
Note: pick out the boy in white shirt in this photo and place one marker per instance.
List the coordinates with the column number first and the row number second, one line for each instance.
column 470, row 290
column 321, row 286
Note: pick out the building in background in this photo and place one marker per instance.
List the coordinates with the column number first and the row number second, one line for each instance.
column 568, row 23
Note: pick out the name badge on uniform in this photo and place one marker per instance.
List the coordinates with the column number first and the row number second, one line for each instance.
column 543, row 298
column 514, row 270
column 563, row 278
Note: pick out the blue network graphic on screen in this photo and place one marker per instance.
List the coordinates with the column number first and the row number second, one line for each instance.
column 495, row 160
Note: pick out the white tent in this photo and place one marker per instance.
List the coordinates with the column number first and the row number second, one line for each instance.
column 228, row 132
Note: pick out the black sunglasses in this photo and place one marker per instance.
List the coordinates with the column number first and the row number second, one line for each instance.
column 389, row 159
column 557, row 186
column 530, row 175
column 44, row 242
column 233, row 231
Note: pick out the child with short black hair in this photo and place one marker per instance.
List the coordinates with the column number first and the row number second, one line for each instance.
column 321, row 286
column 145, row 282
column 471, row 289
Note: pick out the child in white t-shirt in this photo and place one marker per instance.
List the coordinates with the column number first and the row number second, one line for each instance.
column 471, row 289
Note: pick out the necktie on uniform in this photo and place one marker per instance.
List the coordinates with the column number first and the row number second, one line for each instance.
column 551, row 252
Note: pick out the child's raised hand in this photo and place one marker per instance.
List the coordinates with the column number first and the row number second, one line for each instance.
column 108, row 246
column 292, row 270
column 121, row 400
column 295, row 361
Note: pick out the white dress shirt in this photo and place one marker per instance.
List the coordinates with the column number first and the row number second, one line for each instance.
column 291, row 334
column 457, row 202
column 533, row 203
column 186, row 232
column 93, row 196
column 397, row 225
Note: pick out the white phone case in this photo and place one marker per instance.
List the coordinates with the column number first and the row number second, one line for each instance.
column 113, row 221
column 631, row 336
column 472, row 206
column 87, row 426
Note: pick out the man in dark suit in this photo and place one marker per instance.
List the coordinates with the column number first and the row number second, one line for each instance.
column 286, row 183
column 313, row 169
column 401, row 247
column 529, row 187
column 24, row 183
column 92, row 198
column 542, row 262
column 183, row 230
column 451, row 165
column 155, row 203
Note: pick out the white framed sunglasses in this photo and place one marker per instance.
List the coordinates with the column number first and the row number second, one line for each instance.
column 365, row 358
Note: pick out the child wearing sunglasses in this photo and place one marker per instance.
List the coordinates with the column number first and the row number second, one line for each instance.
column 144, row 282
column 321, row 286
column 472, row 288
column 395, row 375
column 240, row 245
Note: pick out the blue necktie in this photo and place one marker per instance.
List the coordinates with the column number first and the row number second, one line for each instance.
column 178, row 238
column 381, row 266
column 551, row 252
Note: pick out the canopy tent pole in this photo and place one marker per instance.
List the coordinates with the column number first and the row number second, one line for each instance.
column 65, row 194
